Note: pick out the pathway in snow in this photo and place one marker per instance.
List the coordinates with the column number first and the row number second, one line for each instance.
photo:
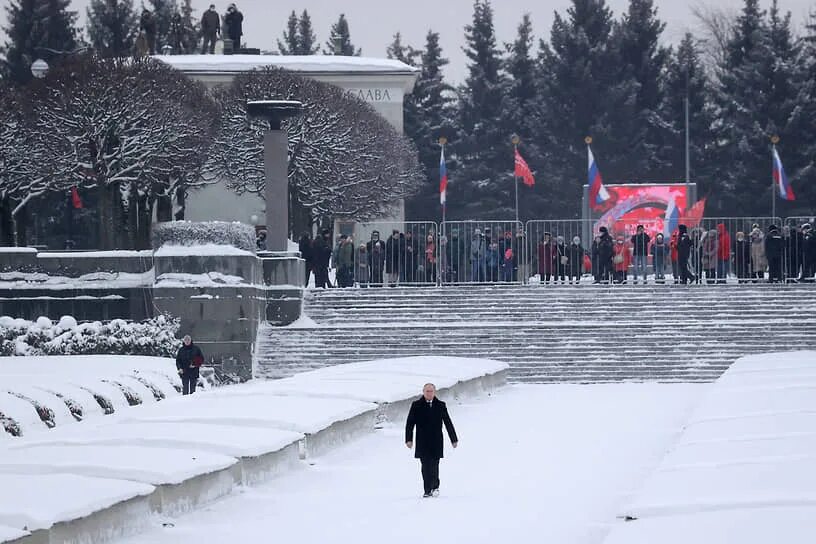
column 535, row 464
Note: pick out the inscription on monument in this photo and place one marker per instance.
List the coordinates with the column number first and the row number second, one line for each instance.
column 376, row 94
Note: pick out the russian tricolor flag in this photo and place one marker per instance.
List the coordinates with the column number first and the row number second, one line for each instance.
column 443, row 179
column 780, row 179
column 672, row 219
column 597, row 192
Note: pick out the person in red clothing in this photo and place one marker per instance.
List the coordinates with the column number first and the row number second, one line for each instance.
column 546, row 258
column 723, row 253
column 621, row 259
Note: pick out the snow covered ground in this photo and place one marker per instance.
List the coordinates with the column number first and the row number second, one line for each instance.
column 534, row 464
column 744, row 468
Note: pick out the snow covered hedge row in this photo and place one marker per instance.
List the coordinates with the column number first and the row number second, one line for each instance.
column 155, row 337
column 187, row 233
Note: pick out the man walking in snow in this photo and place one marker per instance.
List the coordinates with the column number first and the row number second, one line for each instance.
column 188, row 361
column 427, row 414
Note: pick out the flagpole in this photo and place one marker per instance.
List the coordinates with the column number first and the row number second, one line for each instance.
column 688, row 145
column 774, row 141
column 442, row 141
column 515, row 139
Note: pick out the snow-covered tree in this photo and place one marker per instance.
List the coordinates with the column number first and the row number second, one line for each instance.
column 132, row 130
column 163, row 11
column 643, row 62
column 307, row 40
column 112, row 27
column 404, row 53
column 756, row 98
column 35, row 29
column 484, row 182
column 339, row 42
column 582, row 95
column 345, row 160
column 429, row 113
column 686, row 79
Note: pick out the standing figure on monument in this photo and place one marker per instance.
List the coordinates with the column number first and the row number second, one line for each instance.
column 321, row 254
column 210, row 30
column 428, row 414
column 233, row 21
column 176, row 35
column 640, row 245
column 147, row 24
column 188, row 362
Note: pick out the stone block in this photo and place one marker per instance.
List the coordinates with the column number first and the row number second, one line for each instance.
column 283, row 269
column 247, row 267
column 18, row 259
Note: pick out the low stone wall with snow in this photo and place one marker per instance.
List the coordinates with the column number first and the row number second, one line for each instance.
column 743, row 469
column 177, row 455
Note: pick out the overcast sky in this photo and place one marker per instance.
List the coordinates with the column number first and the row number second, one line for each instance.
column 374, row 22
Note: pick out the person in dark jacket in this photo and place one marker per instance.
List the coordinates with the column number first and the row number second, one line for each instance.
column 575, row 256
column 605, row 250
column 210, row 29
column 321, row 255
column 428, row 414
column 809, row 252
column 774, row 254
column 411, row 258
column 793, row 251
column 233, row 21
column 305, row 248
column 147, row 24
column 742, row 258
column 393, row 257
column 188, row 361
column 375, row 250
column 176, row 35
column 684, row 246
column 594, row 256
column 640, row 251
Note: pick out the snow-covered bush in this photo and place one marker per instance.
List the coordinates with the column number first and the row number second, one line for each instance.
column 155, row 337
column 187, row 233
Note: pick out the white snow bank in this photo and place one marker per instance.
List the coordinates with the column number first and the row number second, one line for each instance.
column 199, row 250
column 210, row 279
column 8, row 534
column 134, row 463
column 744, row 469
column 95, row 280
column 146, row 253
column 38, row 502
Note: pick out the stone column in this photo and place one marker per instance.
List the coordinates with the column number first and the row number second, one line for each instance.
column 276, row 163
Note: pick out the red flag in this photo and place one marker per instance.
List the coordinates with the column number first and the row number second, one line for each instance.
column 75, row 200
column 694, row 215
column 523, row 171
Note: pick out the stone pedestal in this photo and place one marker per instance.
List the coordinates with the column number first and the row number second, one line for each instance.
column 276, row 163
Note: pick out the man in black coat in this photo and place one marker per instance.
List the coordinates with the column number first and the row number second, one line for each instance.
column 427, row 414
column 605, row 251
column 321, row 254
column 774, row 253
column 147, row 24
column 188, row 360
column 233, row 20
column 210, row 29
column 684, row 245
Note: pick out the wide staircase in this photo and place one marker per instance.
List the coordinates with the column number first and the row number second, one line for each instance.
column 580, row 334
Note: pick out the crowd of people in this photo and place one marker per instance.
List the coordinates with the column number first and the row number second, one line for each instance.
column 211, row 28
column 697, row 255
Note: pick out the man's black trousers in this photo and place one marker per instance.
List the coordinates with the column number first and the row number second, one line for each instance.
column 430, row 473
column 188, row 381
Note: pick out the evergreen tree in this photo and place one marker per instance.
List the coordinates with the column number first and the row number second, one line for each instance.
column 643, row 61
column 35, row 29
column 485, row 184
column 340, row 40
column 805, row 128
column 163, row 11
column 521, row 112
column 405, row 54
column 291, row 43
column 686, row 80
column 112, row 27
column 307, row 41
column 429, row 114
column 756, row 99
column 582, row 95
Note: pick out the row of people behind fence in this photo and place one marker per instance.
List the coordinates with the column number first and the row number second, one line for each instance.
column 210, row 31
column 699, row 255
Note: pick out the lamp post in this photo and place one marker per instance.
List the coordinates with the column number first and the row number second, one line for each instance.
column 516, row 141
column 39, row 68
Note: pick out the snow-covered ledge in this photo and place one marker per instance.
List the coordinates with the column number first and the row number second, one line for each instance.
column 743, row 470
column 179, row 454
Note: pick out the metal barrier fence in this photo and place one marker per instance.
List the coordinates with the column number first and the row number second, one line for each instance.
column 482, row 252
column 723, row 249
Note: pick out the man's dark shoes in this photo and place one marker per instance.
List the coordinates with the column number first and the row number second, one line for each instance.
column 427, row 495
